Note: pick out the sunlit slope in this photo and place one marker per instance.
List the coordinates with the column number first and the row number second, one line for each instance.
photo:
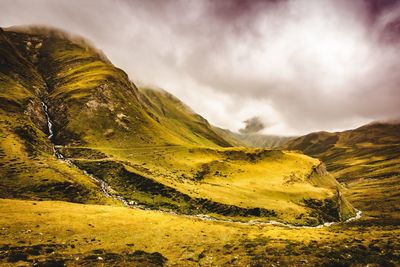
column 270, row 184
column 171, row 113
column 234, row 182
column 28, row 168
column 367, row 159
column 371, row 151
column 20, row 83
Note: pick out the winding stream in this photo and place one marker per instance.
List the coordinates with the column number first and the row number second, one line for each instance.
column 106, row 191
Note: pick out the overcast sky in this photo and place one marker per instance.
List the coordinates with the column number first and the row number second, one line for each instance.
column 296, row 66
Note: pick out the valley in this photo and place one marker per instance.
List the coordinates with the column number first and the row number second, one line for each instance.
column 96, row 171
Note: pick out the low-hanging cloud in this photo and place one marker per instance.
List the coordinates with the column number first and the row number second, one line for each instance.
column 297, row 65
column 252, row 125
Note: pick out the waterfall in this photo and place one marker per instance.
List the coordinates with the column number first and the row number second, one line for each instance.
column 51, row 133
column 49, row 123
column 103, row 185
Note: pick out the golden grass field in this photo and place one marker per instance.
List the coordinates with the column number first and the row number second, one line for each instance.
column 76, row 231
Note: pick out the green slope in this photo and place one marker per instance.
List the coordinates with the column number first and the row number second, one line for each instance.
column 28, row 167
column 371, row 151
column 367, row 159
column 171, row 113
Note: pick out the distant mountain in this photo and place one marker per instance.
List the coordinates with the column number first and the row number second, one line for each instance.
column 366, row 160
column 261, row 140
column 370, row 151
column 254, row 139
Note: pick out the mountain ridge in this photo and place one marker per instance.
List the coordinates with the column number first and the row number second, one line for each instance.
column 366, row 161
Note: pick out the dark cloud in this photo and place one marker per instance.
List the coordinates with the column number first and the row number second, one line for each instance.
column 376, row 8
column 302, row 65
column 253, row 125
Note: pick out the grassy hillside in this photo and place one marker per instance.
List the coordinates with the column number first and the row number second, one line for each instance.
column 28, row 167
column 367, row 159
column 252, row 183
column 19, row 80
column 171, row 113
column 30, row 171
column 42, row 65
column 371, row 151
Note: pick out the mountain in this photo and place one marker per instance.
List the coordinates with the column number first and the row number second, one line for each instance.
column 28, row 167
column 370, row 151
column 262, row 140
column 173, row 114
column 62, row 98
column 253, row 139
column 92, row 99
column 367, row 159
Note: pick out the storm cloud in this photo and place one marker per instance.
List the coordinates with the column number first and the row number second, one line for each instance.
column 296, row 65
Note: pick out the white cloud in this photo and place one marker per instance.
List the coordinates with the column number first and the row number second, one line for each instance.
column 300, row 66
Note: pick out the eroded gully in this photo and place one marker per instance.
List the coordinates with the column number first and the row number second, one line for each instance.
column 107, row 192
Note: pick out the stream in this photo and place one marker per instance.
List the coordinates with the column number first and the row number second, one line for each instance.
column 106, row 191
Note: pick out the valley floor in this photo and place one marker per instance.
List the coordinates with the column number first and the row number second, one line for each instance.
column 52, row 232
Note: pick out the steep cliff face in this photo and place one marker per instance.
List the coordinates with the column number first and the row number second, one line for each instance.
column 320, row 169
column 321, row 177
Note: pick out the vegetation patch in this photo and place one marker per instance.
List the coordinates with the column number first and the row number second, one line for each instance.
column 323, row 210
